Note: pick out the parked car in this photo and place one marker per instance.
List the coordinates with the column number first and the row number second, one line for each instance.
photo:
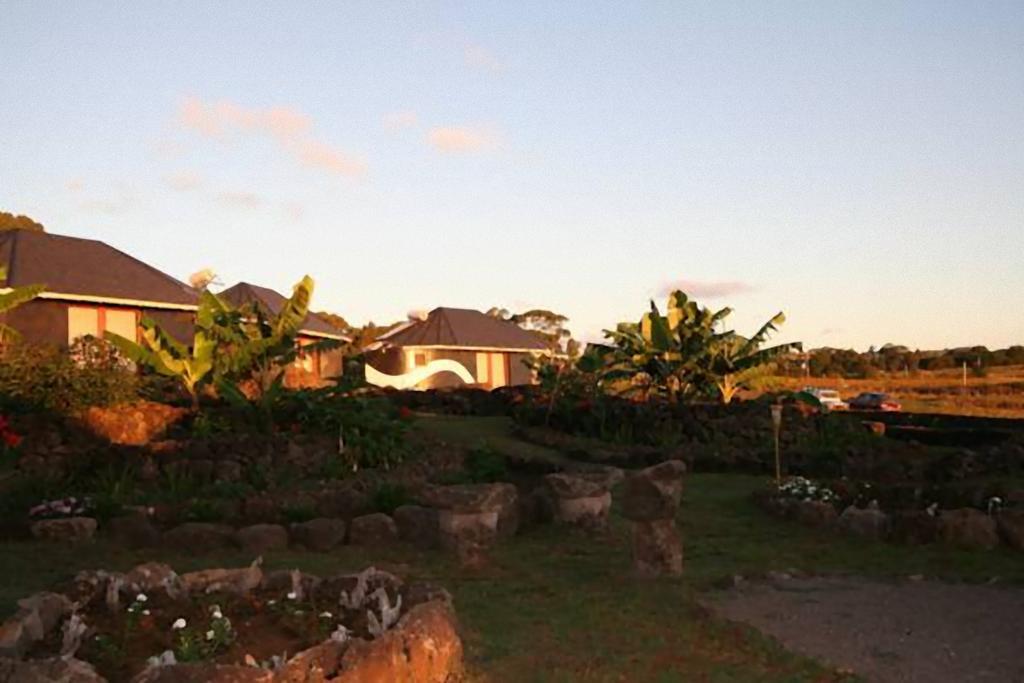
column 870, row 400
column 828, row 398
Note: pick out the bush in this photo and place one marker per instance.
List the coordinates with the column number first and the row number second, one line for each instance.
column 484, row 465
column 90, row 373
column 389, row 497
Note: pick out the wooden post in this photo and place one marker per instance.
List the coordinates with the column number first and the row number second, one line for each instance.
column 777, row 428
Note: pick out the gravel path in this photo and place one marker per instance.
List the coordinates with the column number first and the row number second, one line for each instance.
column 903, row 631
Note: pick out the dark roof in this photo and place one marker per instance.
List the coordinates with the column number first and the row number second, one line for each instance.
column 82, row 267
column 462, row 327
column 271, row 303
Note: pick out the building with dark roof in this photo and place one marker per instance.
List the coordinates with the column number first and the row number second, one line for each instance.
column 309, row 369
column 453, row 347
column 91, row 288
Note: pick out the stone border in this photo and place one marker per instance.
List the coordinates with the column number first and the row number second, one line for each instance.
column 967, row 528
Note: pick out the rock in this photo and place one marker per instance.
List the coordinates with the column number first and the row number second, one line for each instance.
column 458, row 529
column 152, row 576
column 578, row 501
column 968, row 528
column 318, row 663
column 133, row 424
column 814, row 513
column 283, row 580
column 418, row 525
column 238, row 581
column 54, row 670
column 262, row 538
column 424, row 647
column 319, row 535
column 657, row 549
column 574, row 486
column 199, row 537
column 259, row 509
column 71, row 529
column 653, row 493
column 134, row 531
column 867, row 523
column 469, row 497
column 373, row 529
column 37, row 616
column 228, row 471
column 1010, row 524
column 206, row 673
column 914, row 527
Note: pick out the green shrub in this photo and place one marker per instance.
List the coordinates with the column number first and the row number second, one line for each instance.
column 297, row 513
column 204, row 510
column 484, row 465
column 90, row 373
column 389, row 497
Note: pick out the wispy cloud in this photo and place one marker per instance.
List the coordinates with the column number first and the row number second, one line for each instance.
column 481, row 58
column 290, row 128
column 400, row 120
column 246, row 200
column 461, row 139
column 707, row 289
column 183, row 181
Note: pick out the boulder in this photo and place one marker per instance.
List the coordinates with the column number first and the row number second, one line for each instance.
column 199, row 537
column 152, row 576
column 54, row 670
column 469, row 497
column 578, row 501
column 814, row 513
column 563, row 485
column 968, row 528
column 373, row 529
column 319, row 535
column 206, row 672
column 869, row 522
column 914, row 527
column 239, row 581
column 318, row 663
column 262, row 538
column 134, row 531
column 228, row 471
column 657, row 549
column 653, row 493
column 37, row 616
column 1010, row 524
column 68, row 529
column 418, row 525
column 424, row 647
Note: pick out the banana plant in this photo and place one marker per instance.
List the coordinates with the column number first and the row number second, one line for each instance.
column 192, row 364
column 739, row 363
column 261, row 344
column 12, row 299
column 683, row 353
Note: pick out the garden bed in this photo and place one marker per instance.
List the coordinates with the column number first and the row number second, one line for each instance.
column 151, row 624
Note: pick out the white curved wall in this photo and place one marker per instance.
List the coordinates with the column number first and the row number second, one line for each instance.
column 410, row 379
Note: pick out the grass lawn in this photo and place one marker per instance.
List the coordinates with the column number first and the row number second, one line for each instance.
column 557, row 606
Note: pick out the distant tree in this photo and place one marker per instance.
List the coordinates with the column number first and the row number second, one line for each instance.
column 548, row 324
column 9, row 221
column 335, row 320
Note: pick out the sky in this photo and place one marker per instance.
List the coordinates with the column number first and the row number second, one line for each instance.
column 857, row 165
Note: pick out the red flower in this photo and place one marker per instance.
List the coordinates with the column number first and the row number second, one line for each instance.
column 11, row 439
column 3, row 423
column 404, row 413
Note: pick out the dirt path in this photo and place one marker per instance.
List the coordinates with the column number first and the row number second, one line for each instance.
column 903, row 631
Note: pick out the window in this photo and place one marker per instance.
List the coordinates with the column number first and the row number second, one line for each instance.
column 421, row 359
column 94, row 321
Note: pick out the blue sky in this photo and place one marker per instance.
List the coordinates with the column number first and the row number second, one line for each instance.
column 858, row 165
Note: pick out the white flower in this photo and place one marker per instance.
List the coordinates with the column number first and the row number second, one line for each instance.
column 292, row 595
column 271, row 602
column 145, row 612
column 216, row 613
column 179, row 624
column 209, row 635
column 141, row 597
column 326, row 615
